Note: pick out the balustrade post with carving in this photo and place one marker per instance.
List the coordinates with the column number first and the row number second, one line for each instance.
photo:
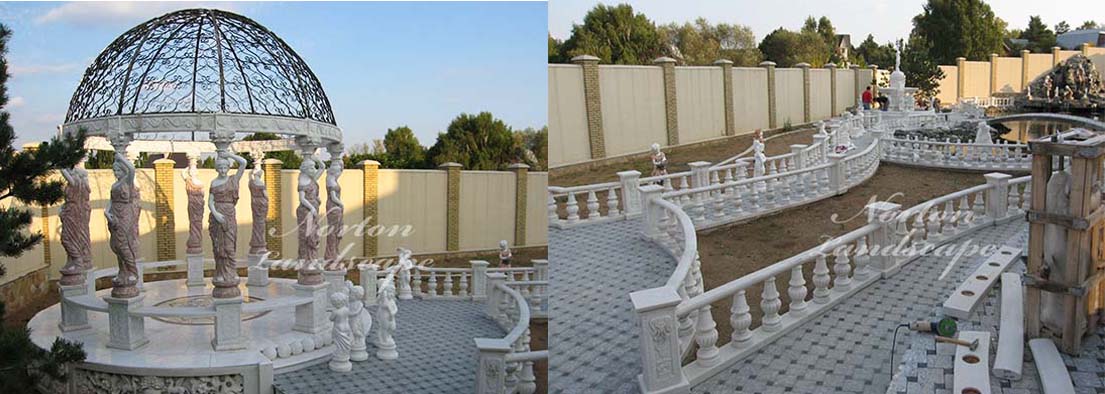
column 479, row 279
column 881, row 244
column 652, row 212
column 631, row 196
column 837, row 173
column 494, row 295
column 660, row 351
column 997, row 195
column 491, row 365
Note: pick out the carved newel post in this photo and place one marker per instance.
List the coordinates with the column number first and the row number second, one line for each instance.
column 222, row 222
column 193, row 187
column 258, row 271
column 127, row 331
column 74, row 226
column 386, row 309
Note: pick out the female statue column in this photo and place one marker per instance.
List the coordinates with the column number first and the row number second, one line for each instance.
column 307, row 217
column 223, row 225
column 194, row 188
column 259, row 203
column 334, row 207
column 122, row 224
column 74, row 225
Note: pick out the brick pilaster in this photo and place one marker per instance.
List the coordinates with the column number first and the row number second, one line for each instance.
column 452, row 205
column 874, row 80
column 274, row 217
column 163, row 209
column 1086, row 49
column 371, row 205
column 1055, row 56
column 993, row 73
column 521, row 185
column 859, row 86
column 805, row 91
column 1024, row 69
column 727, row 89
column 832, row 88
column 592, row 100
column 671, row 110
column 960, row 82
column 771, row 118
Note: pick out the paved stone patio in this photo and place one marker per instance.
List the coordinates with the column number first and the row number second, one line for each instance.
column 593, row 336
column 437, row 354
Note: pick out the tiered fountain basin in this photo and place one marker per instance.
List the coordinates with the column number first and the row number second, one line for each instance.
column 179, row 323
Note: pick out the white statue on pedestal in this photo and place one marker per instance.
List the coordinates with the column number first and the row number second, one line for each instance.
column 505, row 255
column 386, row 308
column 405, row 266
column 342, row 333
column 821, row 128
column 758, row 157
column 982, row 134
column 360, row 321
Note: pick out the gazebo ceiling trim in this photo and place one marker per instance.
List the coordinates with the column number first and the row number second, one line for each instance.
column 324, row 133
column 187, row 68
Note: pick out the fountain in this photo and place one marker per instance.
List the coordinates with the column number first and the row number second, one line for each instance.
column 1073, row 86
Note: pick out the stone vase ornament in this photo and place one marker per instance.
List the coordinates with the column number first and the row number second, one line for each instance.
column 360, row 321
column 335, row 209
column 259, row 206
column 193, row 187
column 386, row 308
column 341, row 333
column 122, row 223
column 75, row 213
column 223, row 225
column 307, row 219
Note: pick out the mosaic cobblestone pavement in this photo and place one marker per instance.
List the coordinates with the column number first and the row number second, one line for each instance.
column 593, row 335
column 847, row 350
column 437, row 354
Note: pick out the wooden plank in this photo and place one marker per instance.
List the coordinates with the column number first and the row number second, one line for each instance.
column 1077, row 254
column 1041, row 173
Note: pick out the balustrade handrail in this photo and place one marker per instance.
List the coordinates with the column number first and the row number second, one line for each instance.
column 563, row 190
column 520, row 302
column 742, row 182
column 954, row 143
column 690, row 243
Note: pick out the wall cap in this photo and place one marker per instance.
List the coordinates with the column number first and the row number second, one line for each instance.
column 164, row 160
column 830, row 65
column 272, row 161
column 663, row 60
column 767, row 63
column 722, row 62
column 802, row 65
column 584, row 58
column 449, row 165
column 369, row 162
column 518, row 166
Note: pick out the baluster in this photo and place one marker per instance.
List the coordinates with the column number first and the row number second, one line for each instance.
column 863, row 258
column 979, row 207
column 431, row 289
column 524, row 290
column 463, row 285
column 1014, row 202
column 823, row 180
column 551, row 207
column 612, row 202
column 918, row 227
column 843, row 270
column 934, row 217
column 784, row 190
column 770, row 305
column 592, row 205
column 706, row 337
column 718, row 210
column 572, row 207
column 740, row 318
column 1026, row 197
column 949, row 219
column 797, row 291
column 683, row 184
column 821, row 280
column 416, row 283
column 753, row 198
column 962, row 214
column 448, row 286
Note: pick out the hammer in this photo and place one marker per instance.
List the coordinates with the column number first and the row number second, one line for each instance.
column 970, row 345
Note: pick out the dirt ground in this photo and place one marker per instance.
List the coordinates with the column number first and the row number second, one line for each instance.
column 522, row 257
column 679, row 157
column 730, row 252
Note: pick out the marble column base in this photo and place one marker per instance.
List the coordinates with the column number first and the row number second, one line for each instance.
column 228, row 324
column 73, row 317
column 385, row 350
column 195, row 270
column 257, row 276
column 359, row 352
column 128, row 332
column 312, row 317
column 335, row 280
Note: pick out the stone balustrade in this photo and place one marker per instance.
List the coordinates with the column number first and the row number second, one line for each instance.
column 505, row 365
column 1002, row 156
column 840, row 267
column 989, row 102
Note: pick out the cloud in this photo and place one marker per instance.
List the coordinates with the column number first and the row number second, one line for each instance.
column 116, row 13
column 16, row 102
column 17, row 70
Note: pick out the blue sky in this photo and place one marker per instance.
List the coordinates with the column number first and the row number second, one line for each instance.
column 382, row 64
column 887, row 20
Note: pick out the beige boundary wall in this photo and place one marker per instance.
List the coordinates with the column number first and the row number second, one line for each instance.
column 604, row 111
column 489, row 206
column 1005, row 75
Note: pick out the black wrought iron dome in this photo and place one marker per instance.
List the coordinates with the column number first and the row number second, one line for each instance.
column 199, row 61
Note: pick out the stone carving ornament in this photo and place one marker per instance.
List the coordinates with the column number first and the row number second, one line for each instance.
column 74, row 225
column 360, row 321
column 307, row 218
column 223, row 225
column 385, row 319
column 122, row 225
column 404, row 271
column 342, row 333
column 193, row 187
column 259, row 204
column 335, row 209
column 87, row 381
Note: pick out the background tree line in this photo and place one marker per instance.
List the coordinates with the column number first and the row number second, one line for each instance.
column 943, row 31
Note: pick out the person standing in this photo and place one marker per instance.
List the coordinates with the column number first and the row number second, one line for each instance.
column 867, row 98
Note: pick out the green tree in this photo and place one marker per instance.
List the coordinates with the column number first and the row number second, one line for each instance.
column 616, row 35
column 873, row 53
column 1062, row 27
column 1039, row 36
column 787, row 48
column 533, row 147
column 402, row 149
column 291, row 159
column 1089, row 25
column 554, row 51
column 23, row 178
column 701, row 43
column 920, row 70
column 955, row 28
column 479, row 142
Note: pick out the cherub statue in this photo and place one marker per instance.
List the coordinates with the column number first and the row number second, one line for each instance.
column 504, row 254
column 386, row 309
column 659, row 161
column 404, row 268
column 360, row 321
column 759, row 159
column 342, row 333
